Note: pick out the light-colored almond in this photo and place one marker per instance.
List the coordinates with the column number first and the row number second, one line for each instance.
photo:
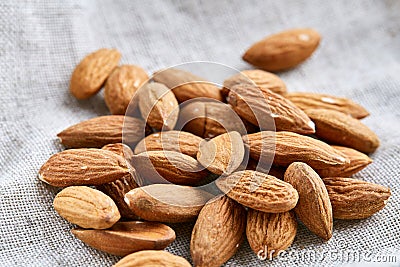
column 152, row 258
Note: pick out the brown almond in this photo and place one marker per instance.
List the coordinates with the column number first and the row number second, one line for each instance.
column 85, row 166
column 313, row 208
column 167, row 202
column 121, row 86
column 91, row 73
column 100, row 131
column 218, row 232
column 154, row 258
column 186, row 85
column 341, row 129
column 306, row 100
column 124, row 238
column 270, row 233
column 283, row 50
column 259, row 191
column 355, row 199
column 86, row 207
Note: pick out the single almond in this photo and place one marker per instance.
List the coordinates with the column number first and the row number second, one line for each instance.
column 259, row 191
column 167, row 202
column 270, row 233
column 100, row 131
column 218, row 232
column 91, row 73
column 268, row 110
column 305, row 100
column 85, row 166
column 341, row 129
column 284, row 148
column 121, row 86
column 178, row 141
column 283, row 50
column 124, row 238
column 86, row 207
column 313, row 208
column 186, row 85
column 148, row 258
column 355, row 199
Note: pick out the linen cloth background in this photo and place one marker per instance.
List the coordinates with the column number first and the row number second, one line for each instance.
column 42, row 41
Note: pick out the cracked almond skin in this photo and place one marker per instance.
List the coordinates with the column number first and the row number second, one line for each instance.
column 186, row 85
column 270, row 233
column 357, row 162
column 268, row 110
column 178, row 141
column 314, row 208
column 148, row 258
column 124, row 238
column 285, row 148
column 305, row 100
column 259, row 191
column 91, row 73
column 284, row 50
column 341, row 129
column 167, row 203
column 84, row 166
column 100, row 131
column 86, row 207
column 121, row 86
column 355, row 199
column 218, row 232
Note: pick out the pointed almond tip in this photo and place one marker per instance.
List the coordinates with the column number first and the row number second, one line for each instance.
column 311, row 124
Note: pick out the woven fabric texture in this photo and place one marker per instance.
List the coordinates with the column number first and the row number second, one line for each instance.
column 42, row 41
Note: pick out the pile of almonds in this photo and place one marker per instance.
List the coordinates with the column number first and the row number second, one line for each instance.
column 266, row 158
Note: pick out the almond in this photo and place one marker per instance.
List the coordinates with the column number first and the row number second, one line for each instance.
column 313, row 208
column 270, row 233
column 85, row 166
column 218, row 232
column 91, row 73
column 341, row 129
column 124, row 238
column 178, row 141
column 154, row 258
column 86, row 207
column 186, row 85
column 284, row 148
column 100, row 131
column 268, row 110
column 167, row 202
column 305, row 101
column 121, row 86
column 259, row 191
column 355, row 199
column 283, row 50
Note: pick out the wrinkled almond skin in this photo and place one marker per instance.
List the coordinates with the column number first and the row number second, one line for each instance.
column 357, row 162
column 86, row 207
column 91, row 73
column 186, row 85
column 100, row 131
column 283, row 50
column 285, row 148
column 313, row 208
column 121, row 86
column 124, row 238
column 355, row 199
column 262, row 79
column 305, row 100
column 85, row 166
column 154, row 258
column 119, row 149
column 341, row 129
column 218, row 232
column 178, row 141
column 268, row 110
column 167, row 202
column 270, row 233
column 259, row 191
